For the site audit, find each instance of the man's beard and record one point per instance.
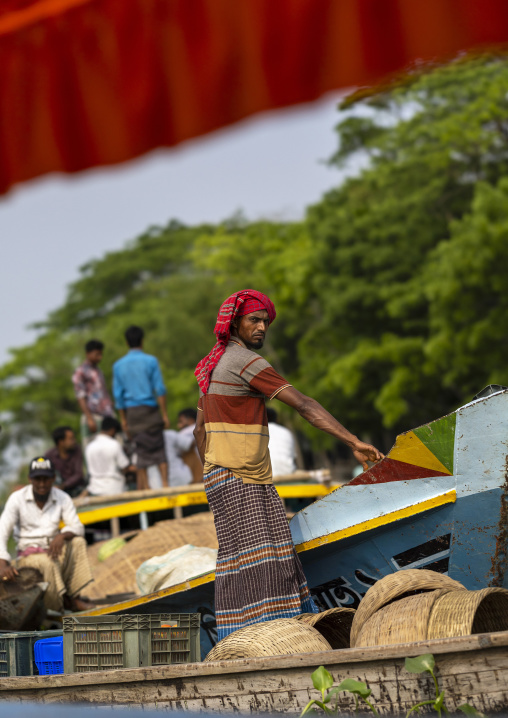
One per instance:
(40, 498)
(255, 345)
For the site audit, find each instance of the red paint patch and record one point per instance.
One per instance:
(393, 470)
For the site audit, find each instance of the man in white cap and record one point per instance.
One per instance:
(34, 515)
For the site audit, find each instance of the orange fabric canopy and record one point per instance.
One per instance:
(96, 82)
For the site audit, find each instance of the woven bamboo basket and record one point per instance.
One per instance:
(402, 621)
(281, 637)
(334, 625)
(461, 613)
(395, 586)
(118, 573)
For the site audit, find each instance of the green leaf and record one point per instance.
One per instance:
(352, 686)
(417, 706)
(332, 693)
(439, 702)
(470, 711)
(309, 710)
(420, 664)
(321, 679)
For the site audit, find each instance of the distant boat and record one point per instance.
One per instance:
(437, 501)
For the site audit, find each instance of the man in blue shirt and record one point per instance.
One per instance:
(140, 397)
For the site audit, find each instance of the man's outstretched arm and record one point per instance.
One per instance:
(200, 435)
(315, 414)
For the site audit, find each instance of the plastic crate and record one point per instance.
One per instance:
(48, 654)
(17, 652)
(4, 660)
(103, 643)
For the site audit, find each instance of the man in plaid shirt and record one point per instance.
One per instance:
(91, 391)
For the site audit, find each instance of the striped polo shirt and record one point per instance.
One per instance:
(235, 414)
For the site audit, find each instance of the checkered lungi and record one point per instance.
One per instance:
(259, 576)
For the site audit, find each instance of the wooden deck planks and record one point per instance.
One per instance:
(472, 669)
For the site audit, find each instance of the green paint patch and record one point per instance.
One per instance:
(439, 437)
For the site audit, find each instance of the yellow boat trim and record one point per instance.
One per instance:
(449, 497)
(140, 600)
(160, 503)
(131, 508)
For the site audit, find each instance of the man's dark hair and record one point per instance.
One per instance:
(109, 422)
(58, 434)
(271, 415)
(189, 414)
(134, 336)
(94, 344)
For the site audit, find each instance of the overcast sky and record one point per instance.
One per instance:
(271, 166)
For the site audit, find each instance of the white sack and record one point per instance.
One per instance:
(174, 567)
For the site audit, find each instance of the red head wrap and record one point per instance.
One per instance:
(237, 305)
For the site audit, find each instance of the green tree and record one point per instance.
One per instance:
(467, 289)
(152, 282)
(428, 142)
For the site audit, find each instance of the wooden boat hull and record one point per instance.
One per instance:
(471, 669)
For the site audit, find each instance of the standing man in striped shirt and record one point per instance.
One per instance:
(259, 576)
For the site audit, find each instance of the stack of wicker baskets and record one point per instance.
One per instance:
(416, 604)
(403, 607)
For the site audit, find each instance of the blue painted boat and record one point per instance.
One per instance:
(407, 512)
(437, 501)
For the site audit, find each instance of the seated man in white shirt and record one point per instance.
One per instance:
(33, 515)
(281, 445)
(185, 466)
(106, 461)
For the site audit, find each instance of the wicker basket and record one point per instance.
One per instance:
(402, 621)
(117, 574)
(334, 625)
(461, 613)
(281, 637)
(394, 586)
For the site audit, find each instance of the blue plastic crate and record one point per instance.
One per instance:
(17, 652)
(49, 655)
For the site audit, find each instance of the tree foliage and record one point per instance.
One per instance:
(390, 294)
(379, 234)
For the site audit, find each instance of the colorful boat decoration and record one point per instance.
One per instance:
(437, 501)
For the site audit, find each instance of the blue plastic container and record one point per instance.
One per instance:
(49, 655)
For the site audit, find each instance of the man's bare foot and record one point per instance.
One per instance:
(78, 604)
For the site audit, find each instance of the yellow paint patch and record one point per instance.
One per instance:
(449, 497)
(304, 491)
(410, 449)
